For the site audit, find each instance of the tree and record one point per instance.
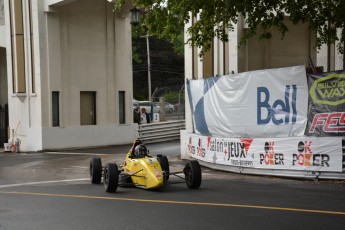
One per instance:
(167, 66)
(165, 18)
(167, 62)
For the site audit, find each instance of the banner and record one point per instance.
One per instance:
(294, 153)
(326, 115)
(261, 103)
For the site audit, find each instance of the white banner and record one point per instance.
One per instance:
(294, 153)
(264, 103)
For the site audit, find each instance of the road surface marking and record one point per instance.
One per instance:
(41, 182)
(66, 153)
(176, 202)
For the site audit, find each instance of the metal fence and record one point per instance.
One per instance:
(336, 63)
(161, 131)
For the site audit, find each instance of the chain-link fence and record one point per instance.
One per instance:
(171, 103)
(321, 63)
(336, 63)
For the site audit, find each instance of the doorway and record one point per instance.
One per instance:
(87, 108)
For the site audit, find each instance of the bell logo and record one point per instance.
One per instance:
(280, 112)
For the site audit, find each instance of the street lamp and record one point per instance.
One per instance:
(135, 21)
(134, 16)
(148, 64)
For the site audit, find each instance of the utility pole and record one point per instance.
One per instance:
(148, 65)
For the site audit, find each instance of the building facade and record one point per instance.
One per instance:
(66, 73)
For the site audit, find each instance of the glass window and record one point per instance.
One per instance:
(55, 109)
(122, 110)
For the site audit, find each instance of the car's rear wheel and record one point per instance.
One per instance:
(163, 161)
(192, 173)
(95, 170)
(111, 177)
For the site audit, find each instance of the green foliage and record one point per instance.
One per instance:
(166, 18)
(172, 96)
(167, 68)
(178, 44)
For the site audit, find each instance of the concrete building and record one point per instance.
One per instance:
(66, 73)
(225, 58)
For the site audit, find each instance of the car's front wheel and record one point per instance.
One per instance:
(111, 177)
(163, 161)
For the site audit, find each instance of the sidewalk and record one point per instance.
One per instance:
(2, 150)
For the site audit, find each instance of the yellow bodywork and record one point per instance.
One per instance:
(145, 172)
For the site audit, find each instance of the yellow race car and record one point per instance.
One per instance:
(142, 170)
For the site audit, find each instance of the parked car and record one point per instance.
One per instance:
(147, 106)
(169, 108)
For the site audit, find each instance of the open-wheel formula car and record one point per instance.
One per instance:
(142, 170)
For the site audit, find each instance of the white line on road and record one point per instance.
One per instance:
(42, 182)
(65, 153)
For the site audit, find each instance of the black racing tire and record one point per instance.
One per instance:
(96, 170)
(163, 161)
(192, 173)
(110, 177)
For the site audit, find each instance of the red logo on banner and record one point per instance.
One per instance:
(208, 142)
(330, 122)
(190, 146)
(246, 143)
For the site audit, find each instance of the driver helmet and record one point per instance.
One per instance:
(140, 151)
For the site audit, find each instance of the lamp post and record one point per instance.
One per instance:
(148, 65)
(135, 21)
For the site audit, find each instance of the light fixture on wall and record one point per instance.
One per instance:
(134, 16)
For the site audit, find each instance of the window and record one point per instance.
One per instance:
(122, 107)
(87, 108)
(33, 87)
(18, 52)
(55, 109)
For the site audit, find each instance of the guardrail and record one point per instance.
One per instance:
(161, 131)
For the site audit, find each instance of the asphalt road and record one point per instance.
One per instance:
(52, 191)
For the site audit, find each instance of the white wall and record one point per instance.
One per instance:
(276, 52)
(2, 36)
(88, 136)
(188, 67)
(2, 13)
